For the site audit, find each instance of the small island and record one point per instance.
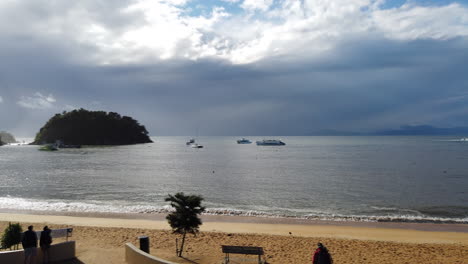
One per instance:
(6, 138)
(83, 127)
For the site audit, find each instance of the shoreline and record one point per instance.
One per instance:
(207, 218)
(396, 232)
(101, 239)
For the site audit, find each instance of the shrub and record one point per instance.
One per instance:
(12, 236)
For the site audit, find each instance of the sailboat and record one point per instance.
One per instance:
(195, 145)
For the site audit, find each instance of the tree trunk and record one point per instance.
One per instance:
(182, 244)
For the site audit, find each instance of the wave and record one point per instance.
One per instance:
(122, 207)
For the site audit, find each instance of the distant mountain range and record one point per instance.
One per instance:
(405, 130)
(425, 130)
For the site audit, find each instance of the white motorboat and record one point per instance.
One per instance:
(270, 142)
(243, 141)
(195, 145)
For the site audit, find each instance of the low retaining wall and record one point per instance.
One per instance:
(58, 252)
(134, 255)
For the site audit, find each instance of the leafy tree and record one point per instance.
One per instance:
(185, 217)
(12, 235)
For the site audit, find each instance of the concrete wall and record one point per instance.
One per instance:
(58, 252)
(134, 255)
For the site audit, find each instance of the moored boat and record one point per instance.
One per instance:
(195, 145)
(270, 142)
(243, 141)
(48, 147)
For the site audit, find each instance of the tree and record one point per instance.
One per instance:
(12, 235)
(185, 217)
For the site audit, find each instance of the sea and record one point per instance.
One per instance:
(333, 178)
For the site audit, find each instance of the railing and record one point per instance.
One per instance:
(57, 252)
(56, 233)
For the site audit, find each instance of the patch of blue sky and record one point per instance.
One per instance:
(205, 7)
(388, 4)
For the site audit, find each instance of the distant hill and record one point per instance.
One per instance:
(424, 130)
(6, 137)
(407, 130)
(83, 127)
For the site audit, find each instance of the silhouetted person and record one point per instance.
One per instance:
(321, 255)
(29, 243)
(45, 241)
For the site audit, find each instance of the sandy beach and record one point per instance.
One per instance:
(102, 239)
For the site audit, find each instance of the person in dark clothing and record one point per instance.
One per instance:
(44, 242)
(321, 255)
(29, 243)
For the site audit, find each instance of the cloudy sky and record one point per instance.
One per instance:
(236, 67)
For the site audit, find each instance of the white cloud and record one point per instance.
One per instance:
(253, 5)
(413, 22)
(153, 30)
(1, 99)
(38, 101)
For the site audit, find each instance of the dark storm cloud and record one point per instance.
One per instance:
(361, 86)
(362, 83)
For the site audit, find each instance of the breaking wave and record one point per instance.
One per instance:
(378, 214)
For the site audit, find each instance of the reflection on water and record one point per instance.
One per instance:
(398, 178)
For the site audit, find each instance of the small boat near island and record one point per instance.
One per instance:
(57, 145)
(270, 142)
(49, 147)
(195, 145)
(243, 141)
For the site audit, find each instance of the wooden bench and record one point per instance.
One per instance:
(242, 250)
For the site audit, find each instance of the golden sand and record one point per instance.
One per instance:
(101, 240)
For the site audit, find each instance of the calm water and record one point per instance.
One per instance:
(343, 178)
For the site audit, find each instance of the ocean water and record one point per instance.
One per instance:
(414, 179)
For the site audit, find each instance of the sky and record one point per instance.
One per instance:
(236, 67)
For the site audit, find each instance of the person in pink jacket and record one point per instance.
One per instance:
(321, 255)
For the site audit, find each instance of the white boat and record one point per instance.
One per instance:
(464, 139)
(195, 145)
(49, 147)
(243, 141)
(270, 142)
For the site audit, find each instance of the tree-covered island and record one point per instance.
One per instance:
(83, 127)
(6, 137)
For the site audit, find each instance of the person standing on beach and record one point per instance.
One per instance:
(321, 255)
(44, 242)
(29, 243)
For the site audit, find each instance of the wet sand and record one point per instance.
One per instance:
(101, 238)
